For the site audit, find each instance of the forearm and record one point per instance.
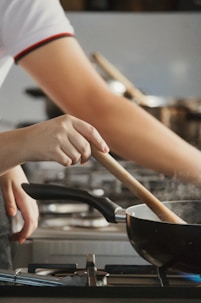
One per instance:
(12, 149)
(143, 139)
(129, 130)
(135, 135)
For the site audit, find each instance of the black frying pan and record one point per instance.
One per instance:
(166, 245)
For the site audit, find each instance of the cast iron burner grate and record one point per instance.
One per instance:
(118, 275)
(133, 282)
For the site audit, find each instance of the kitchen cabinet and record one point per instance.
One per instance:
(131, 5)
(73, 5)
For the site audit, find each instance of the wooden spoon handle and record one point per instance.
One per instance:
(164, 213)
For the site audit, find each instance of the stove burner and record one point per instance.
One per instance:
(90, 219)
(93, 276)
(115, 283)
(61, 208)
(114, 275)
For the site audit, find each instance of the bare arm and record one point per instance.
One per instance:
(64, 139)
(63, 71)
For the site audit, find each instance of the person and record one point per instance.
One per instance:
(38, 37)
(65, 139)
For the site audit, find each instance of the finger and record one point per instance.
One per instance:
(91, 134)
(81, 149)
(10, 205)
(74, 148)
(62, 157)
(30, 215)
(72, 154)
(27, 229)
(16, 236)
(11, 210)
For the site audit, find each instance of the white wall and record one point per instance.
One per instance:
(159, 53)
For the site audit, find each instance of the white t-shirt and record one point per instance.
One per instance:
(26, 25)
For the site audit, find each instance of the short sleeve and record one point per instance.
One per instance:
(27, 23)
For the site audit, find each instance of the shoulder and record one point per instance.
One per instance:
(27, 22)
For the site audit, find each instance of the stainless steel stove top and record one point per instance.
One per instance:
(117, 283)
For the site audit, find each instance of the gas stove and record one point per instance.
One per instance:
(71, 229)
(117, 283)
(94, 261)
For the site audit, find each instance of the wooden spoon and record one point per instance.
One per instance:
(163, 213)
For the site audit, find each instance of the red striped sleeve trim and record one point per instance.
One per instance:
(40, 43)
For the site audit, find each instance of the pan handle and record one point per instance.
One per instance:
(108, 208)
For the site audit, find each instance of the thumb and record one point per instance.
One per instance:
(10, 205)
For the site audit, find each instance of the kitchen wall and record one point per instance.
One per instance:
(158, 52)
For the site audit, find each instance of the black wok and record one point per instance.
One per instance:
(165, 245)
